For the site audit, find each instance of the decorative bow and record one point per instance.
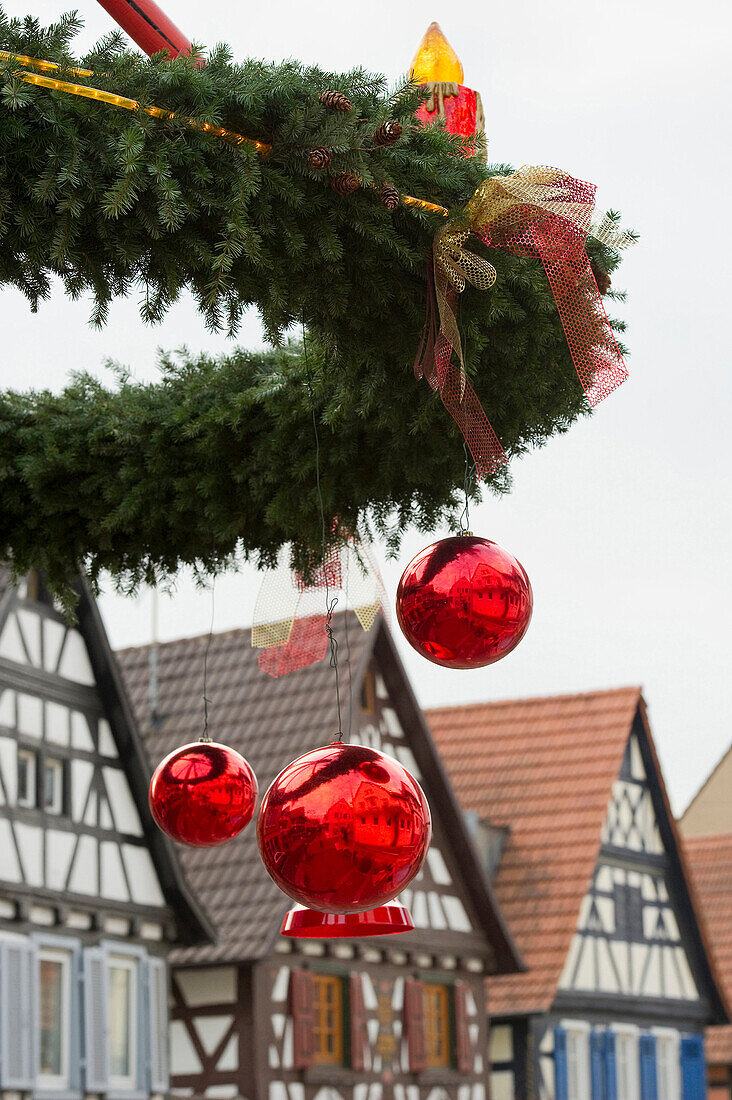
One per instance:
(538, 212)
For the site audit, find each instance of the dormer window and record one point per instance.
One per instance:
(53, 786)
(27, 772)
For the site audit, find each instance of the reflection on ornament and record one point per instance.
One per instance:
(464, 602)
(343, 829)
(385, 920)
(203, 794)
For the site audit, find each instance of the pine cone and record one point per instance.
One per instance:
(387, 133)
(389, 196)
(335, 101)
(319, 158)
(345, 183)
(603, 280)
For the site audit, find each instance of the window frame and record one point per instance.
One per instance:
(126, 1083)
(578, 1032)
(321, 1056)
(56, 765)
(444, 1019)
(45, 952)
(623, 1033)
(27, 802)
(668, 1036)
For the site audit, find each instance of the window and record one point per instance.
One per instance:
(26, 778)
(53, 786)
(368, 693)
(328, 1026)
(628, 912)
(122, 977)
(54, 1008)
(668, 1069)
(578, 1064)
(627, 1065)
(436, 1008)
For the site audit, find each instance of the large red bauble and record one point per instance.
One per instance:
(343, 829)
(203, 794)
(464, 602)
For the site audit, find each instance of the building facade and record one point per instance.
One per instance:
(91, 898)
(567, 799)
(266, 1018)
(707, 830)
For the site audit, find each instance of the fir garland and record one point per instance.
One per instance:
(218, 456)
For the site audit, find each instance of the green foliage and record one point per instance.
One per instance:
(219, 454)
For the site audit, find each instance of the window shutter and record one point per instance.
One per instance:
(597, 1065)
(693, 1074)
(561, 1086)
(611, 1076)
(414, 1021)
(17, 1005)
(302, 1007)
(648, 1082)
(158, 1017)
(96, 1038)
(359, 1030)
(463, 1045)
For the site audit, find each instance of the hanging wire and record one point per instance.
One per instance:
(470, 471)
(330, 603)
(204, 736)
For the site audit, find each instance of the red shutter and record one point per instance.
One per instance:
(302, 1007)
(414, 1023)
(359, 1031)
(463, 1046)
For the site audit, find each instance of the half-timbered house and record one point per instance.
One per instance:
(568, 803)
(91, 895)
(267, 1018)
(706, 827)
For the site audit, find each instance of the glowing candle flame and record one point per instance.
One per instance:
(435, 60)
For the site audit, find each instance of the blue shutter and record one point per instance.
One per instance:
(561, 1086)
(649, 1085)
(17, 1012)
(693, 1071)
(611, 1077)
(158, 1015)
(96, 1034)
(597, 1075)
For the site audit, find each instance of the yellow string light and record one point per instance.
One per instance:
(101, 96)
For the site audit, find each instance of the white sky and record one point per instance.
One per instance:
(623, 524)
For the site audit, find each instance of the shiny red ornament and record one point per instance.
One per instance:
(464, 602)
(343, 829)
(386, 920)
(203, 794)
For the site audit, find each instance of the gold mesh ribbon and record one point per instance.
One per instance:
(539, 212)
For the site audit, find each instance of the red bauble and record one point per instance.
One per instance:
(464, 602)
(203, 794)
(343, 829)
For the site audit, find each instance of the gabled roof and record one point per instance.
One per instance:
(271, 721)
(709, 859)
(544, 768)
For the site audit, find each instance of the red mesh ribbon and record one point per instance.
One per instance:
(545, 214)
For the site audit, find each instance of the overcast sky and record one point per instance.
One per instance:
(624, 524)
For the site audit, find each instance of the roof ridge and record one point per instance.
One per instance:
(636, 689)
(708, 779)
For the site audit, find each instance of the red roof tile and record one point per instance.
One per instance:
(709, 859)
(545, 768)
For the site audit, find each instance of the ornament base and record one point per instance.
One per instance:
(385, 920)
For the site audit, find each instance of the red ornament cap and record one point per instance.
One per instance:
(386, 920)
(203, 794)
(464, 602)
(343, 829)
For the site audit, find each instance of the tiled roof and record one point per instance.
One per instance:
(544, 768)
(709, 859)
(270, 721)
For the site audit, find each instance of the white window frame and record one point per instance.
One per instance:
(57, 766)
(130, 963)
(48, 1082)
(624, 1032)
(28, 802)
(578, 1032)
(672, 1037)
